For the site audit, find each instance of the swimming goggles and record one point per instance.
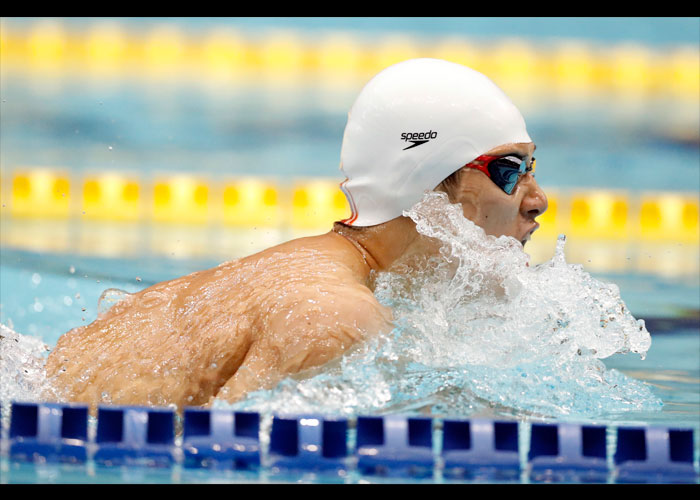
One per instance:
(504, 171)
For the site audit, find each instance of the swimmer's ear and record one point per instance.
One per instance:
(451, 184)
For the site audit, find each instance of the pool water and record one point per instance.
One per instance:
(46, 297)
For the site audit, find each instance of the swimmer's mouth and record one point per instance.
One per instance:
(528, 235)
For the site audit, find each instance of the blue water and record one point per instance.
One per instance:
(293, 133)
(45, 297)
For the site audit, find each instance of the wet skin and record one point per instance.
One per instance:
(222, 332)
(246, 324)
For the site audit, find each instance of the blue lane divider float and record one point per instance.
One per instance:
(133, 435)
(651, 454)
(222, 439)
(48, 432)
(399, 446)
(308, 443)
(477, 447)
(395, 445)
(567, 450)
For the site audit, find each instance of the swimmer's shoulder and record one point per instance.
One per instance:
(316, 275)
(333, 304)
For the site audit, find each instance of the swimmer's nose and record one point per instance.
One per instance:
(534, 202)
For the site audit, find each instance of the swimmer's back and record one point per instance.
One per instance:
(239, 326)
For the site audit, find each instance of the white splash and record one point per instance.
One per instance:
(478, 330)
(22, 359)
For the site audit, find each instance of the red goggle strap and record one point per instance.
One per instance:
(483, 164)
(484, 161)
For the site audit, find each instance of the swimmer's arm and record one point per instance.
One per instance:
(306, 336)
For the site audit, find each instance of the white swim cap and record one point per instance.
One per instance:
(413, 125)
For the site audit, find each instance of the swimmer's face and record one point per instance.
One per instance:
(498, 213)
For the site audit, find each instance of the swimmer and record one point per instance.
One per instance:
(218, 334)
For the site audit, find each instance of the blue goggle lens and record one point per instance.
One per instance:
(505, 172)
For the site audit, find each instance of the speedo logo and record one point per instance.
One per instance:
(417, 138)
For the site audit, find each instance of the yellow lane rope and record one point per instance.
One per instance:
(310, 203)
(106, 50)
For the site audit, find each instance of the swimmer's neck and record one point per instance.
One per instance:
(379, 246)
